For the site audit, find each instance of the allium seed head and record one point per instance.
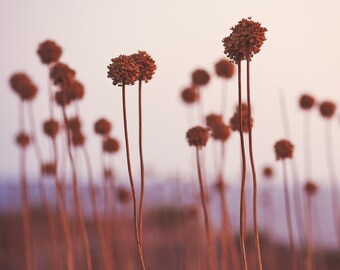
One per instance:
(61, 74)
(245, 40)
(189, 95)
(234, 120)
(23, 139)
(23, 86)
(74, 90)
(306, 102)
(327, 109)
(123, 70)
(221, 132)
(224, 69)
(102, 127)
(74, 124)
(200, 77)
(213, 119)
(111, 145)
(197, 136)
(283, 149)
(267, 172)
(51, 128)
(310, 188)
(146, 65)
(77, 138)
(49, 52)
(48, 169)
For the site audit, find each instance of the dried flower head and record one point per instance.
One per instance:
(23, 86)
(268, 172)
(213, 119)
(23, 139)
(123, 70)
(189, 95)
(77, 138)
(146, 65)
(61, 98)
(102, 127)
(74, 124)
(111, 145)
(51, 128)
(245, 40)
(327, 109)
(283, 149)
(197, 136)
(123, 195)
(49, 52)
(224, 69)
(74, 90)
(234, 120)
(306, 102)
(48, 169)
(61, 74)
(221, 132)
(310, 188)
(200, 77)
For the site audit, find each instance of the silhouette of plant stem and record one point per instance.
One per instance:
(133, 191)
(309, 240)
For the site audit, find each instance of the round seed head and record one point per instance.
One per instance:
(23, 139)
(327, 109)
(268, 172)
(111, 145)
(48, 169)
(51, 128)
(224, 69)
(306, 102)
(221, 132)
(189, 95)
(146, 65)
(197, 136)
(74, 124)
(77, 138)
(200, 77)
(123, 70)
(283, 149)
(61, 74)
(213, 119)
(49, 52)
(102, 127)
(235, 121)
(310, 188)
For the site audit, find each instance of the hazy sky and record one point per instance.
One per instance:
(301, 54)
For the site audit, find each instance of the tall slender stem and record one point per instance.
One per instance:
(207, 223)
(307, 156)
(141, 199)
(133, 191)
(77, 201)
(243, 179)
(24, 195)
(42, 191)
(224, 100)
(253, 170)
(289, 217)
(309, 240)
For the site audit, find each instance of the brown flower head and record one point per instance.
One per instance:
(102, 127)
(123, 195)
(306, 102)
(74, 124)
(23, 139)
(189, 95)
(245, 40)
(111, 145)
(198, 136)
(123, 70)
(327, 109)
(23, 86)
(49, 52)
(200, 77)
(310, 188)
(221, 132)
(51, 128)
(48, 169)
(213, 119)
(283, 149)
(145, 64)
(268, 172)
(224, 69)
(234, 120)
(77, 138)
(61, 74)
(74, 90)
(62, 98)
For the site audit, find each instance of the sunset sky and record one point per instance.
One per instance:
(301, 54)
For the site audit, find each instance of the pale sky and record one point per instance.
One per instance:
(301, 54)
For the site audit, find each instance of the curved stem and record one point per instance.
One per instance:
(243, 180)
(77, 201)
(207, 223)
(133, 191)
(141, 199)
(253, 170)
(289, 217)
